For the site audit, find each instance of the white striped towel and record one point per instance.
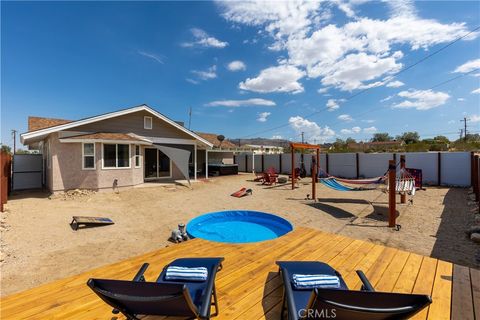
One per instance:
(311, 281)
(185, 273)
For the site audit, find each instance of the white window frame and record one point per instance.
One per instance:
(116, 157)
(137, 156)
(145, 118)
(94, 157)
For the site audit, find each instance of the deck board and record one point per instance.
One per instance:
(249, 286)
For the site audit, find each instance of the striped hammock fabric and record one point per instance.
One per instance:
(311, 281)
(186, 274)
(405, 186)
(361, 181)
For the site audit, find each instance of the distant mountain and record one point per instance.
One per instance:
(261, 141)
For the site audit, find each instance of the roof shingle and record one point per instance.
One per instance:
(37, 123)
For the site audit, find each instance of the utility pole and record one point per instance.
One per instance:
(465, 130)
(189, 117)
(302, 136)
(14, 136)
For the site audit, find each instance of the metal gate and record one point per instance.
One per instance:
(27, 171)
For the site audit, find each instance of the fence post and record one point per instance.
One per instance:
(327, 169)
(263, 162)
(357, 161)
(246, 162)
(475, 182)
(472, 170)
(279, 163)
(392, 210)
(439, 164)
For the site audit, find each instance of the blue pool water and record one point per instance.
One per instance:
(238, 226)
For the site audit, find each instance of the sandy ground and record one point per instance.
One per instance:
(38, 245)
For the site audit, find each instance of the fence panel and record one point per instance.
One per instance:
(427, 161)
(342, 165)
(272, 161)
(373, 164)
(455, 170)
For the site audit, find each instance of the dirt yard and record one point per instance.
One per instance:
(39, 246)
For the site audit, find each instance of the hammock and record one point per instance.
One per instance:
(375, 180)
(332, 183)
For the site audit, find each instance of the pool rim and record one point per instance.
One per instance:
(280, 219)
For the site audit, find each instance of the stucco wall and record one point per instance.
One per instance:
(67, 170)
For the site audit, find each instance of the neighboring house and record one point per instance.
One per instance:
(263, 149)
(122, 148)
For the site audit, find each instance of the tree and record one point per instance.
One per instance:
(350, 140)
(6, 148)
(409, 137)
(441, 139)
(381, 137)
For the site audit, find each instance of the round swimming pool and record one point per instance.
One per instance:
(238, 226)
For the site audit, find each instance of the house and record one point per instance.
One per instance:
(263, 149)
(122, 148)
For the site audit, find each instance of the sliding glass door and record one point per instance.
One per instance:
(157, 164)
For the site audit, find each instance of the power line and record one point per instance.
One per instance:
(349, 98)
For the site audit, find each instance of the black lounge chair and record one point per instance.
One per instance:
(192, 299)
(342, 303)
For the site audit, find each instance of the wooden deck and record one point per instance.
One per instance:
(249, 286)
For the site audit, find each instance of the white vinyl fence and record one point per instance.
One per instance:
(438, 168)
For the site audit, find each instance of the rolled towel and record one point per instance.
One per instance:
(311, 281)
(186, 274)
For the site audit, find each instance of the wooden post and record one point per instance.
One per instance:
(403, 195)
(439, 168)
(263, 162)
(357, 164)
(279, 163)
(472, 170)
(392, 210)
(246, 162)
(314, 178)
(293, 168)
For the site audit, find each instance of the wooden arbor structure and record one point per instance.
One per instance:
(315, 164)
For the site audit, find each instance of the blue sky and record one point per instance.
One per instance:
(246, 68)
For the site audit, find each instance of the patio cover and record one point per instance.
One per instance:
(179, 156)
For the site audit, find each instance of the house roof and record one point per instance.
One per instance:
(37, 123)
(213, 139)
(105, 136)
(40, 133)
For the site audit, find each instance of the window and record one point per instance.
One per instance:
(116, 156)
(88, 155)
(137, 156)
(147, 122)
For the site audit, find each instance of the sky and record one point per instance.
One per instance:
(247, 68)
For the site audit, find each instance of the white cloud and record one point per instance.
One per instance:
(468, 66)
(422, 99)
(333, 104)
(354, 130)
(203, 39)
(262, 117)
(241, 103)
(355, 55)
(386, 99)
(395, 84)
(345, 117)
(368, 121)
(313, 132)
(282, 78)
(192, 81)
(323, 90)
(474, 118)
(236, 65)
(210, 73)
(152, 56)
(277, 137)
(476, 91)
(461, 99)
(370, 130)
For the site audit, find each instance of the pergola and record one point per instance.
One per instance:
(306, 146)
